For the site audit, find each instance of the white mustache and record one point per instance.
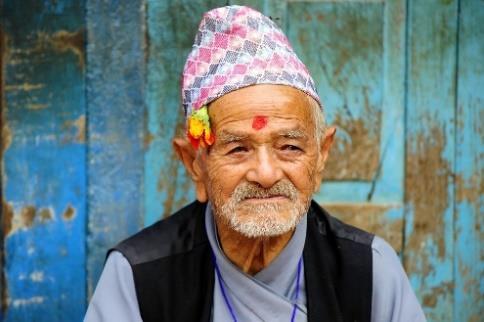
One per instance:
(248, 190)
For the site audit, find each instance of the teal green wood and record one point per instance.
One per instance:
(43, 161)
(429, 249)
(469, 165)
(358, 61)
(359, 69)
(342, 45)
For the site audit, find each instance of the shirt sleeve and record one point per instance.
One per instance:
(393, 299)
(115, 296)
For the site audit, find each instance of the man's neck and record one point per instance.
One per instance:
(251, 255)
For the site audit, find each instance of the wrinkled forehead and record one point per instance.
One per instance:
(260, 105)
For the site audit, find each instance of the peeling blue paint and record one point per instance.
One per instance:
(469, 165)
(115, 118)
(44, 165)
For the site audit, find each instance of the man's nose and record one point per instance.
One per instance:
(265, 169)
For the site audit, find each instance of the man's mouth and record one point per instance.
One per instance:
(272, 198)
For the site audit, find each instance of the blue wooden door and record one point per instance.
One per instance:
(90, 102)
(444, 150)
(43, 176)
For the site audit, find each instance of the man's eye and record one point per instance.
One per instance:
(289, 147)
(237, 149)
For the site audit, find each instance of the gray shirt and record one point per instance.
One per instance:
(270, 294)
(266, 296)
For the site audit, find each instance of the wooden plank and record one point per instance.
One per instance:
(43, 161)
(171, 28)
(342, 46)
(387, 184)
(353, 44)
(429, 184)
(469, 189)
(115, 92)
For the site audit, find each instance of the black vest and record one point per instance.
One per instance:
(174, 275)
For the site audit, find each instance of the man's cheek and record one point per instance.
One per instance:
(214, 172)
(305, 179)
(221, 179)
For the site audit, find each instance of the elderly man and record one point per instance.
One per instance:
(254, 247)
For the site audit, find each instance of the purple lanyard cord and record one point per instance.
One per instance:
(226, 298)
(222, 288)
(298, 278)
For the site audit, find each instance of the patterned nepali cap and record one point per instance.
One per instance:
(235, 47)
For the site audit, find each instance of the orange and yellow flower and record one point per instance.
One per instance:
(198, 128)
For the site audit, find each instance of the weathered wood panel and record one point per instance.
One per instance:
(469, 167)
(342, 45)
(43, 164)
(429, 182)
(115, 116)
(356, 53)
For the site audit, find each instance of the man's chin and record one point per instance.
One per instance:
(261, 218)
(255, 224)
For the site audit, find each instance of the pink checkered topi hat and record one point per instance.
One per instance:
(236, 47)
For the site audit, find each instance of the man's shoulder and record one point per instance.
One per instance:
(178, 233)
(328, 224)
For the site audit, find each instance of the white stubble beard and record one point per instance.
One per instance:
(264, 219)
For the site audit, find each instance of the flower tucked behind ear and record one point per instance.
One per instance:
(198, 128)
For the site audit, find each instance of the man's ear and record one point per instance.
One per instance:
(188, 156)
(324, 148)
(326, 144)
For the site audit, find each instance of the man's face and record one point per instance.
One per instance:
(262, 170)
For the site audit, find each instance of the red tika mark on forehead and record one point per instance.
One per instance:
(259, 122)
